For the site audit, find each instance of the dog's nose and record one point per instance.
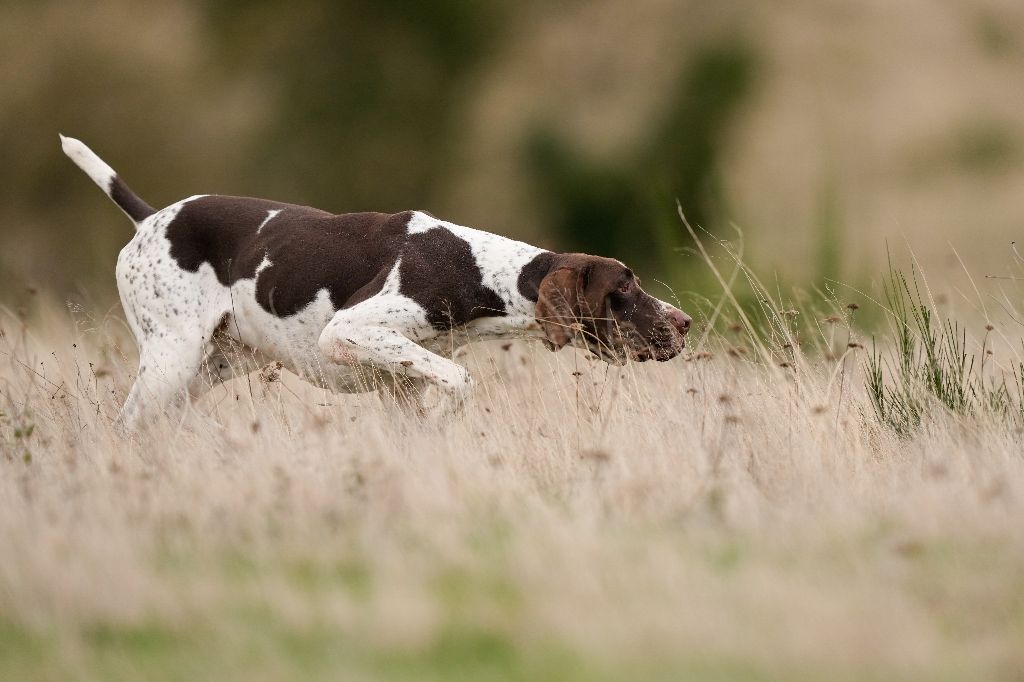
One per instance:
(680, 320)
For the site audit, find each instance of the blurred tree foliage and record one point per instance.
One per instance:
(367, 92)
(629, 208)
(347, 106)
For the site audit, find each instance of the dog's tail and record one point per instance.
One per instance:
(109, 181)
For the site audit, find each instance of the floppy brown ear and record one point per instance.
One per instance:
(558, 305)
(600, 281)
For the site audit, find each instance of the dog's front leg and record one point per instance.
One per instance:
(380, 332)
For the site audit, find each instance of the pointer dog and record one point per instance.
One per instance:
(215, 286)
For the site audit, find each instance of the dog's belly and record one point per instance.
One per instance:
(292, 340)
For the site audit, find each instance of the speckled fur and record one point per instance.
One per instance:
(177, 316)
(370, 301)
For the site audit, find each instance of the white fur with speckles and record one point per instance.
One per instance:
(174, 315)
(500, 259)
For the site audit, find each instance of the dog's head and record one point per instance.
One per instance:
(598, 304)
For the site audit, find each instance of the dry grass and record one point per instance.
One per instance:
(708, 519)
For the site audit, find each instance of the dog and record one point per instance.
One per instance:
(214, 286)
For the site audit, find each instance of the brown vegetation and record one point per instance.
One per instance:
(709, 518)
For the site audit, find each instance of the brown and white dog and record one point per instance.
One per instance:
(213, 286)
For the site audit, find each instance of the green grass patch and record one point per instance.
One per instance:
(931, 365)
(256, 645)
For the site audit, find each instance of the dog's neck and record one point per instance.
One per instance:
(533, 273)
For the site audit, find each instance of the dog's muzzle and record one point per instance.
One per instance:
(668, 341)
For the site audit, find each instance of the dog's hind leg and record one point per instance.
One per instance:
(168, 366)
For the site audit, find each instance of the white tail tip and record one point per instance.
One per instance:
(86, 159)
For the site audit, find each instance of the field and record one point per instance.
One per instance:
(718, 517)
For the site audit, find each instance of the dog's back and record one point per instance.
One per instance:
(296, 250)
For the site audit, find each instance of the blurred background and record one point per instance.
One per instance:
(824, 130)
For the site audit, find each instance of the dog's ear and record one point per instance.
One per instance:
(575, 298)
(558, 305)
(599, 280)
